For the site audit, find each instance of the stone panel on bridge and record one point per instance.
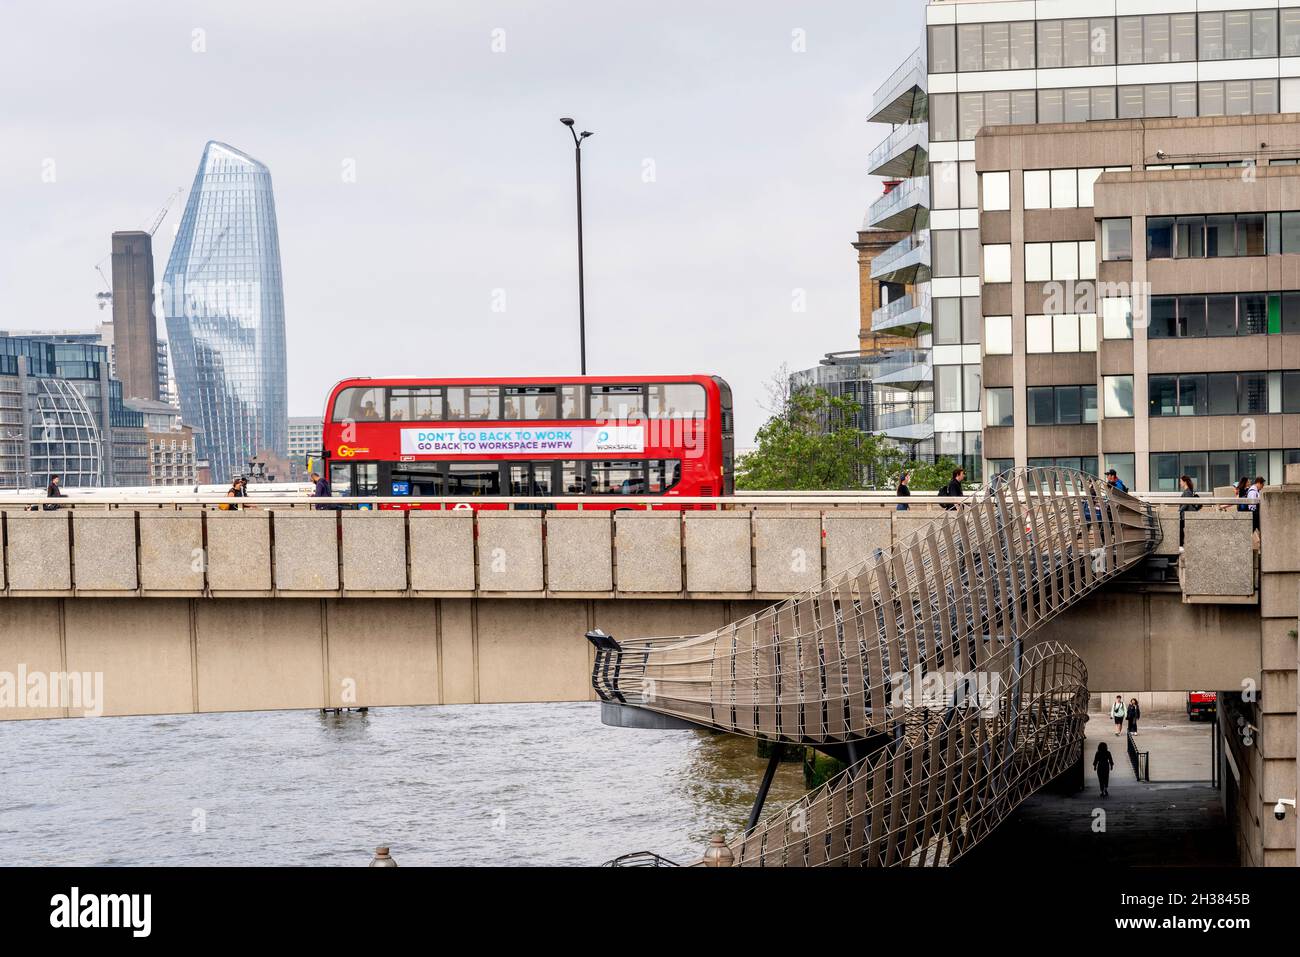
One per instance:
(146, 670)
(239, 552)
(510, 552)
(40, 561)
(171, 553)
(258, 655)
(718, 548)
(1219, 561)
(374, 552)
(649, 550)
(103, 552)
(442, 551)
(306, 551)
(385, 658)
(579, 556)
(787, 552)
(853, 537)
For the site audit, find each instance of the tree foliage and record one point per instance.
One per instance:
(927, 476)
(813, 444)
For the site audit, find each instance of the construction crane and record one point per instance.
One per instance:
(104, 297)
(166, 207)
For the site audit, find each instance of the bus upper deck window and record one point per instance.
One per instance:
(677, 400)
(473, 402)
(414, 405)
(616, 402)
(572, 402)
(531, 402)
(360, 405)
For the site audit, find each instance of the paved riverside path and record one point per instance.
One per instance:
(1175, 820)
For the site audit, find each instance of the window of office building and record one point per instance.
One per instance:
(943, 117)
(1118, 396)
(1117, 317)
(1061, 333)
(1215, 236)
(956, 321)
(1116, 240)
(1238, 97)
(1238, 34)
(997, 335)
(1157, 99)
(1290, 32)
(1062, 404)
(998, 407)
(997, 263)
(1060, 261)
(997, 192)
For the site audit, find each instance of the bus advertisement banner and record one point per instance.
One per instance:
(511, 440)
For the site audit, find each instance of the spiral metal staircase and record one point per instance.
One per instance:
(913, 667)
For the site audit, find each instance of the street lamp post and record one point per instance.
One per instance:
(582, 303)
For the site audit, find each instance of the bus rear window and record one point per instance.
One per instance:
(677, 400)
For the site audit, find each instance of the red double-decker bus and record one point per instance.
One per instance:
(555, 436)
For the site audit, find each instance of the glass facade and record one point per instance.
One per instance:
(224, 304)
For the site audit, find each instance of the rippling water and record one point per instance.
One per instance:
(473, 784)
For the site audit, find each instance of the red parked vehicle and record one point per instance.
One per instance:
(553, 436)
(1202, 703)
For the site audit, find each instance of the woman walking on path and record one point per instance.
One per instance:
(1102, 762)
(1133, 713)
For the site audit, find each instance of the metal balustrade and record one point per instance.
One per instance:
(917, 659)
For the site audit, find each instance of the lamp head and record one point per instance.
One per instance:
(566, 120)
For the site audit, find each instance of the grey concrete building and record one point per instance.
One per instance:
(1139, 297)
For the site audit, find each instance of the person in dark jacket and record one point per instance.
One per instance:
(953, 489)
(903, 491)
(1102, 762)
(1134, 712)
(320, 488)
(54, 491)
(1189, 491)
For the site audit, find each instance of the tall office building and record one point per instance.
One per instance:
(225, 312)
(135, 331)
(988, 63)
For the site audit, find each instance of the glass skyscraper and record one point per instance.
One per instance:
(224, 304)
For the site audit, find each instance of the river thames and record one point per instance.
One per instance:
(535, 784)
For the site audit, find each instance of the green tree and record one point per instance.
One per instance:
(927, 476)
(813, 443)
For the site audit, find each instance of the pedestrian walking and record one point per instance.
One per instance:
(1133, 712)
(1114, 481)
(1243, 489)
(1102, 762)
(903, 491)
(320, 488)
(52, 490)
(953, 488)
(1117, 713)
(1189, 491)
(1252, 495)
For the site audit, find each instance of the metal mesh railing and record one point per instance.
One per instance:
(850, 661)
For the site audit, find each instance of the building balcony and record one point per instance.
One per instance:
(906, 207)
(902, 97)
(907, 261)
(906, 426)
(918, 376)
(907, 317)
(903, 154)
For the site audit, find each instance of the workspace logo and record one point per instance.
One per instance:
(103, 910)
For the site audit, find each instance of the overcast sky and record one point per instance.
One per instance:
(724, 184)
